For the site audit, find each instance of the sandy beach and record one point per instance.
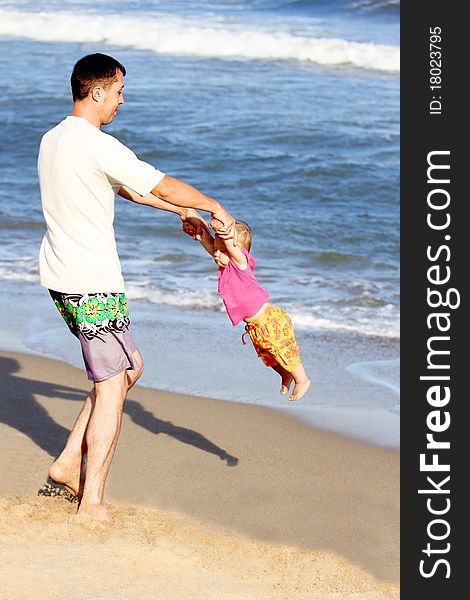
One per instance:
(211, 500)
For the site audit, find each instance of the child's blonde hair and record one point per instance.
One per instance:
(244, 234)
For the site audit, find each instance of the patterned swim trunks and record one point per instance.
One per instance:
(273, 339)
(101, 323)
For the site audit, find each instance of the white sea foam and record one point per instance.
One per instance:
(381, 325)
(201, 299)
(168, 34)
(381, 372)
(376, 4)
(19, 273)
(303, 316)
(306, 316)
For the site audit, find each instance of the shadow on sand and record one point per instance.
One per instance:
(19, 409)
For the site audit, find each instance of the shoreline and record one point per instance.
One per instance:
(279, 488)
(355, 378)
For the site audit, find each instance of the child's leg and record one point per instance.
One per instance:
(274, 342)
(286, 378)
(302, 382)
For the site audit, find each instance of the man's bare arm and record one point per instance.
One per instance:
(151, 200)
(182, 194)
(189, 216)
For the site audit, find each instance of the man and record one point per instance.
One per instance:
(80, 170)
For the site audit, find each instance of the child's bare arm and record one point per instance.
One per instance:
(206, 239)
(234, 251)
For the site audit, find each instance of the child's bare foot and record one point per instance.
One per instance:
(299, 389)
(287, 379)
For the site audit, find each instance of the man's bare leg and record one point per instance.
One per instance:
(132, 375)
(66, 469)
(102, 434)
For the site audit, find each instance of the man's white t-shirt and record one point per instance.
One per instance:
(80, 170)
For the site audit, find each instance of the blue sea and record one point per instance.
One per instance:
(287, 112)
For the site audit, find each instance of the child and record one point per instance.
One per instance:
(269, 327)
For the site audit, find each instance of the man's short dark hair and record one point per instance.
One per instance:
(91, 70)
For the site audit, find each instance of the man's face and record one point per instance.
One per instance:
(112, 99)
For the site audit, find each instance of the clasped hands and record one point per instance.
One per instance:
(222, 223)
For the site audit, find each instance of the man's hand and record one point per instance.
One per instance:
(183, 195)
(228, 234)
(221, 220)
(193, 223)
(223, 224)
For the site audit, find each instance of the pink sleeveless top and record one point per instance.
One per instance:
(242, 294)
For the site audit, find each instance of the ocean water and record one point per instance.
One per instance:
(287, 112)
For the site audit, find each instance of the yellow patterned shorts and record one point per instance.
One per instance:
(273, 339)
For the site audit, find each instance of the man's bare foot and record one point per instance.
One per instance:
(66, 474)
(287, 379)
(299, 389)
(94, 512)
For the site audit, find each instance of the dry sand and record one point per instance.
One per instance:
(211, 499)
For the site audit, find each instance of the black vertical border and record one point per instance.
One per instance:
(421, 133)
